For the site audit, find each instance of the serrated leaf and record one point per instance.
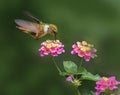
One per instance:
(70, 67)
(89, 76)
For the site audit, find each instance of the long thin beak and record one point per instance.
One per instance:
(54, 34)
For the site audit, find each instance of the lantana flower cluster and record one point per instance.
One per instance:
(106, 84)
(83, 49)
(53, 47)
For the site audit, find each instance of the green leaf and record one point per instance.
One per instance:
(70, 67)
(63, 73)
(89, 76)
(81, 70)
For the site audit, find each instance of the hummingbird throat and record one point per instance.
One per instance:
(46, 27)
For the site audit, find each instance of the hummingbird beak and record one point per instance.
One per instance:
(54, 33)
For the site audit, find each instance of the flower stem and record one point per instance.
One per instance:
(78, 92)
(81, 63)
(56, 65)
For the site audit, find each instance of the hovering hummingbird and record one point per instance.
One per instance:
(36, 28)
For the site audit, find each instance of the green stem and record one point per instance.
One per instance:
(56, 65)
(81, 63)
(78, 92)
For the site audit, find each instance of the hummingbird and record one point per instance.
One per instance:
(36, 28)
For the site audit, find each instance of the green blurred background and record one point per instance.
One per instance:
(24, 72)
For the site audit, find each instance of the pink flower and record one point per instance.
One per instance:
(73, 80)
(85, 50)
(106, 84)
(53, 47)
(70, 78)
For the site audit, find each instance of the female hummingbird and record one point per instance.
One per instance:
(36, 29)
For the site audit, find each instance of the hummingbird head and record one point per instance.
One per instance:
(53, 29)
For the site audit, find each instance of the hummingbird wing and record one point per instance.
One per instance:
(33, 29)
(32, 17)
(27, 25)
